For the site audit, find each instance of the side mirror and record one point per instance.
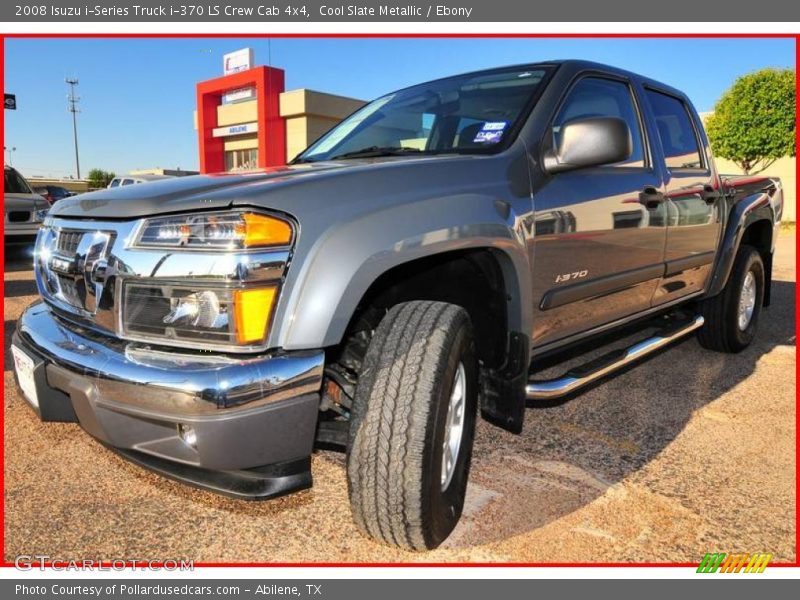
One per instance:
(590, 142)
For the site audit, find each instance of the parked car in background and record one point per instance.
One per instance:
(53, 193)
(24, 209)
(134, 179)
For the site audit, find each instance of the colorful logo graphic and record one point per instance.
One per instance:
(734, 563)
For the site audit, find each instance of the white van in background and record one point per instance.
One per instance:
(134, 179)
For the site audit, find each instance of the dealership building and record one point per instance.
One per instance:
(247, 120)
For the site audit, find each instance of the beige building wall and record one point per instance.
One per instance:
(73, 185)
(241, 142)
(161, 171)
(308, 115)
(237, 112)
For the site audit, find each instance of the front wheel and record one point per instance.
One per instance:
(732, 315)
(413, 424)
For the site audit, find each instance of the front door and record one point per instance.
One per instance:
(599, 233)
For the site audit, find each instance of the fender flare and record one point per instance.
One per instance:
(331, 280)
(748, 210)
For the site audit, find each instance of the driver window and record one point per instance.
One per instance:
(598, 97)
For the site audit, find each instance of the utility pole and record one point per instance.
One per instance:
(72, 107)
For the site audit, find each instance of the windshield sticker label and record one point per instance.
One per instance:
(491, 132)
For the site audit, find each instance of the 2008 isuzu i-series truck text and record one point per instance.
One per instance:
(405, 273)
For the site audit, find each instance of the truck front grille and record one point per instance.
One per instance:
(66, 263)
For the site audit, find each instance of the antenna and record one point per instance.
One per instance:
(72, 106)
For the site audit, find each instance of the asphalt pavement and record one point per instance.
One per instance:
(688, 453)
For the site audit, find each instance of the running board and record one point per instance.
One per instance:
(583, 375)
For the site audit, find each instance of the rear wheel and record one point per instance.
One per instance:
(413, 424)
(732, 315)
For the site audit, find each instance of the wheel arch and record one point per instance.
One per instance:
(483, 280)
(752, 222)
(331, 282)
(480, 279)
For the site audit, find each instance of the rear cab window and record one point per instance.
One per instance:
(676, 131)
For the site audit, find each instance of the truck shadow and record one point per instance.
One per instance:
(17, 258)
(8, 331)
(19, 287)
(571, 453)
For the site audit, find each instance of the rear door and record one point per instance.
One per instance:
(693, 201)
(599, 232)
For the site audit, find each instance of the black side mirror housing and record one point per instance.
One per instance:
(590, 142)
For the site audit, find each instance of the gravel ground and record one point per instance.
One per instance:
(690, 452)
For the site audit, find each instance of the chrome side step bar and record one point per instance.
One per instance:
(585, 374)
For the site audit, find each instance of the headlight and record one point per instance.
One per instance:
(215, 231)
(211, 316)
(40, 215)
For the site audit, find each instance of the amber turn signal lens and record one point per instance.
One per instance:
(252, 309)
(261, 230)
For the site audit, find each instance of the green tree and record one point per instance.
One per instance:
(754, 122)
(99, 179)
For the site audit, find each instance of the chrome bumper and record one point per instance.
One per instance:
(136, 376)
(14, 232)
(244, 412)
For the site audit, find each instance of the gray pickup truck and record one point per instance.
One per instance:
(406, 272)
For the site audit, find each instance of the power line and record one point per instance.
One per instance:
(72, 107)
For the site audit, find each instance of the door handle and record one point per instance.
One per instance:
(710, 195)
(651, 197)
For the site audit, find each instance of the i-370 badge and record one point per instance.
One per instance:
(570, 276)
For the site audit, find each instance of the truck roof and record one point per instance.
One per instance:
(576, 65)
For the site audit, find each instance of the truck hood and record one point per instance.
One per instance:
(281, 188)
(324, 187)
(179, 194)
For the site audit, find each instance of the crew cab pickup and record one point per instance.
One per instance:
(404, 274)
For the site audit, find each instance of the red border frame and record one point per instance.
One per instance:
(794, 36)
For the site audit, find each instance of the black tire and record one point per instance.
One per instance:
(397, 430)
(721, 331)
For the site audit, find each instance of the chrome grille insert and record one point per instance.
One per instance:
(69, 290)
(68, 242)
(68, 261)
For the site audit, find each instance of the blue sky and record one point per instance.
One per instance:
(137, 95)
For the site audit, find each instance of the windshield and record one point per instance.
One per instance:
(15, 183)
(472, 113)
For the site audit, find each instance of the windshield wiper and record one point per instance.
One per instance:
(373, 151)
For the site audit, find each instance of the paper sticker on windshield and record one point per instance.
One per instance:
(490, 133)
